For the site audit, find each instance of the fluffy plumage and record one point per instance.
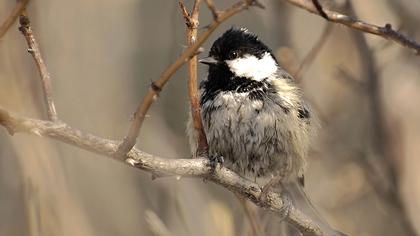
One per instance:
(253, 113)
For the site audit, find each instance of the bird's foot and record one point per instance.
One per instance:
(216, 160)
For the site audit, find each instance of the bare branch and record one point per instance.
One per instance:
(20, 6)
(213, 9)
(141, 111)
(197, 167)
(191, 20)
(185, 13)
(33, 49)
(321, 11)
(383, 31)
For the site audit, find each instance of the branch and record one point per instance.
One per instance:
(320, 9)
(33, 49)
(191, 20)
(20, 6)
(198, 167)
(215, 13)
(385, 32)
(129, 141)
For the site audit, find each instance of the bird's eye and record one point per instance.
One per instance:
(233, 54)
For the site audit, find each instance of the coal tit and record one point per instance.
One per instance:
(255, 117)
(253, 113)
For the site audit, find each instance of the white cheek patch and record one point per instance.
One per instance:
(251, 67)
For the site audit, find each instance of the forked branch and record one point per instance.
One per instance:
(130, 139)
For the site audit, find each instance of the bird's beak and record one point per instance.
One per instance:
(208, 61)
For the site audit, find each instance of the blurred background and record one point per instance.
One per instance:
(102, 55)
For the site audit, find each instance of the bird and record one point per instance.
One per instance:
(255, 118)
(253, 113)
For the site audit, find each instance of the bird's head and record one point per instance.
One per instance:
(242, 54)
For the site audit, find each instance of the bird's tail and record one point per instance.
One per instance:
(302, 202)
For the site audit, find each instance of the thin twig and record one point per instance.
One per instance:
(196, 167)
(33, 49)
(310, 57)
(385, 32)
(321, 11)
(215, 13)
(129, 141)
(191, 21)
(20, 6)
(252, 216)
(350, 80)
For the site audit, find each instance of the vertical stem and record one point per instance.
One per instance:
(33, 49)
(192, 32)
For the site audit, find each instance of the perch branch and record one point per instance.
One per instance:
(33, 49)
(130, 139)
(20, 6)
(197, 167)
(386, 31)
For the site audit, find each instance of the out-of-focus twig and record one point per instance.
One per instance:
(156, 224)
(33, 49)
(350, 80)
(310, 57)
(215, 13)
(156, 87)
(20, 6)
(386, 31)
(386, 183)
(252, 216)
(191, 20)
(196, 167)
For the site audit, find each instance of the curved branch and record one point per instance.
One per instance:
(383, 31)
(199, 167)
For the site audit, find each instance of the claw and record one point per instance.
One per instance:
(215, 160)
